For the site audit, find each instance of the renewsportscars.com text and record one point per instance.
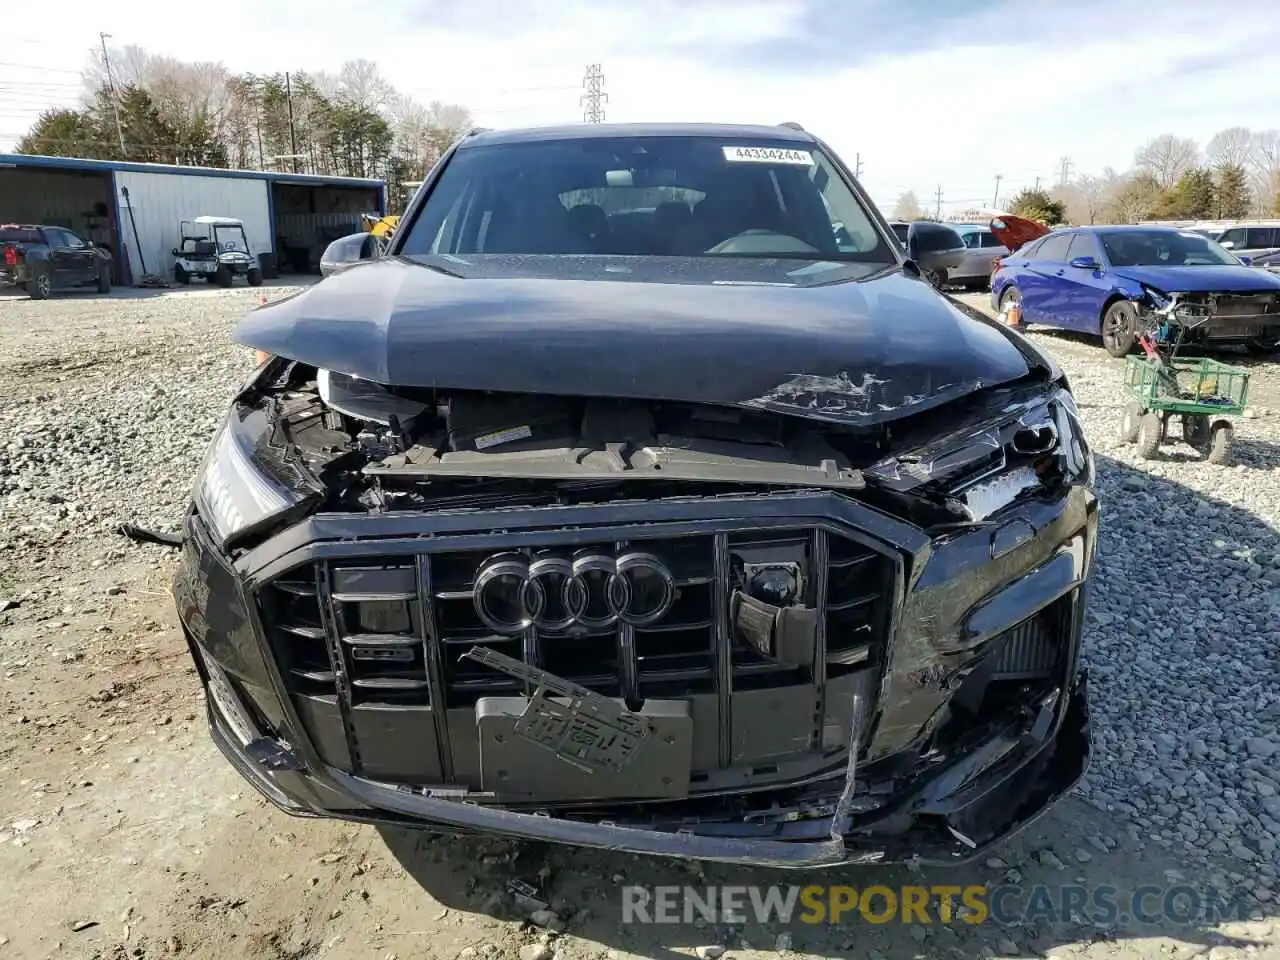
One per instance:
(973, 904)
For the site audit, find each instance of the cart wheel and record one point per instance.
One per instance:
(1150, 426)
(1195, 430)
(1220, 435)
(1129, 422)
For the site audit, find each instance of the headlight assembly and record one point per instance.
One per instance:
(234, 495)
(1072, 444)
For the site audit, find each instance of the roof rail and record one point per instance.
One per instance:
(792, 125)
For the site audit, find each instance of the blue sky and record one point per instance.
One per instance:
(927, 92)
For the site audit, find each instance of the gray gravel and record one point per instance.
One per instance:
(107, 406)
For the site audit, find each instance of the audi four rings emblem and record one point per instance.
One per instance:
(588, 590)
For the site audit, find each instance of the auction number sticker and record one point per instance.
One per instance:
(799, 158)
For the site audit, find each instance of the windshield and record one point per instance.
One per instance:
(230, 239)
(1163, 248)
(645, 196)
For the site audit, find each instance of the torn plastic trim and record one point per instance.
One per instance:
(139, 534)
(988, 792)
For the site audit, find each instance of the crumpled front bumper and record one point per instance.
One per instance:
(955, 816)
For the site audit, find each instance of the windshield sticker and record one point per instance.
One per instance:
(799, 158)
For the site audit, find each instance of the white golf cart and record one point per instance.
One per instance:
(216, 249)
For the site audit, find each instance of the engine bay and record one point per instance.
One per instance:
(377, 447)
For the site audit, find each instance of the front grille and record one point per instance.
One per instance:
(389, 632)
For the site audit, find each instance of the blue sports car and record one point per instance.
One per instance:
(1118, 281)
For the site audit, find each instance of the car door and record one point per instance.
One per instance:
(1084, 290)
(992, 248)
(971, 267)
(1041, 281)
(62, 261)
(82, 260)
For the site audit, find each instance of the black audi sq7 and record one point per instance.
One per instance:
(642, 495)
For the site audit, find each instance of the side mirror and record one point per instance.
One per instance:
(934, 246)
(1227, 244)
(347, 250)
(1086, 263)
(1247, 261)
(174, 251)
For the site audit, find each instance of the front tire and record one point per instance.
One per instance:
(255, 277)
(223, 277)
(1119, 328)
(180, 275)
(104, 278)
(1263, 346)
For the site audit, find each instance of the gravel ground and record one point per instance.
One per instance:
(117, 813)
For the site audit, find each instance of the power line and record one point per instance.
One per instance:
(595, 98)
(38, 68)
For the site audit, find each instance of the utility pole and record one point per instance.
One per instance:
(293, 136)
(1066, 170)
(1037, 183)
(937, 213)
(857, 165)
(111, 88)
(594, 98)
(995, 201)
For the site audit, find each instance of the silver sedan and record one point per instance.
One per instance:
(981, 251)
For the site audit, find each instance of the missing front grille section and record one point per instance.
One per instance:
(1020, 665)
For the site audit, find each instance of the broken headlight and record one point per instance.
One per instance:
(978, 473)
(1073, 447)
(234, 495)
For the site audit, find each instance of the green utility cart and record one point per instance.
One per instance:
(1203, 392)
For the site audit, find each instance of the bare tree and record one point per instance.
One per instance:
(1264, 166)
(1167, 158)
(362, 84)
(907, 207)
(1233, 147)
(1086, 197)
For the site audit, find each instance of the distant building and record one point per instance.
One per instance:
(288, 217)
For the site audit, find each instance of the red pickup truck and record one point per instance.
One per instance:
(42, 260)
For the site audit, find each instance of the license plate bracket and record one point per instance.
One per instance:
(549, 748)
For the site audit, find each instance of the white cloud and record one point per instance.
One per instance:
(1005, 90)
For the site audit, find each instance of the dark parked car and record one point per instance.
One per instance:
(1116, 281)
(42, 260)
(620, 505)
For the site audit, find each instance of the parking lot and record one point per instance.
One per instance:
(125, 834)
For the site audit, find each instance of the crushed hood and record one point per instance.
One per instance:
(1204, 279)
(847, 342)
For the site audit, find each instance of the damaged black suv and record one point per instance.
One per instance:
(643, 496)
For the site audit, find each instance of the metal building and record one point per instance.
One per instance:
(289, 217)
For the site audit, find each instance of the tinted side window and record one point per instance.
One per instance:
(1082, 245)
(56, 239)
(1261, 237)
(1054, 248)
(1028, 251)
(71, 240)
(1235, 236)
(989, 239)
(972, 240)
